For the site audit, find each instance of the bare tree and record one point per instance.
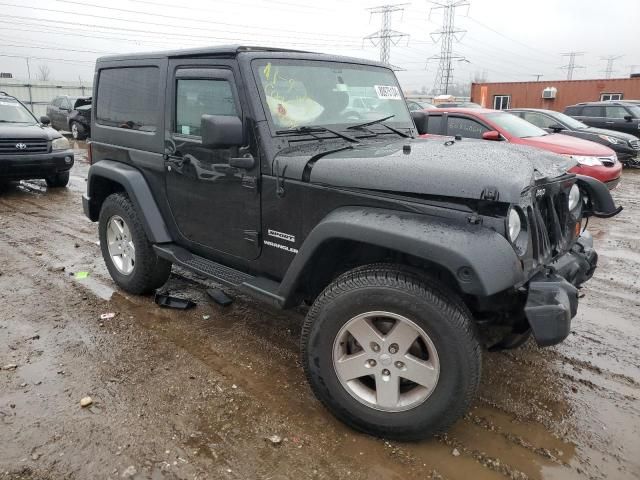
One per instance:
(44, 72)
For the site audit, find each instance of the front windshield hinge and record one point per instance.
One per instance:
(280, 181)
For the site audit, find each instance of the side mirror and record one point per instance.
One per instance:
(491, 135)
(556, 127)
(628, 118)
(421, 120)
(221, 131)
(44, 120)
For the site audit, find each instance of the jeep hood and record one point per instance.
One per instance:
(464, 169)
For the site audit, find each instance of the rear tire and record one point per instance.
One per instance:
(147, 270)
(78, 132)
(59, 180)
(443, 326)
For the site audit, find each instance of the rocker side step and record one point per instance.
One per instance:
(260, 287)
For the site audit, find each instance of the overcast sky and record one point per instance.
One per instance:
(509, 40)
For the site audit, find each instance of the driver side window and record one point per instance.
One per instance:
(539, 120)
(196, 97)
(465, 127)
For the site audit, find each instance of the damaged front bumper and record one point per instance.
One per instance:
(552, 299)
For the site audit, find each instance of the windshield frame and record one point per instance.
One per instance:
(24, 107)
(274, 129)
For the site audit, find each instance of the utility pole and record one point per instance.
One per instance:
(537, 75)
(386, 36)
(571, 66)
(446, 35)
(608, 72)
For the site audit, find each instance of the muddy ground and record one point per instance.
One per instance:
(196, 395)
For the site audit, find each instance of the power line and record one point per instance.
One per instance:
(386, 36)
(446, 35)
(571, 66)
(608, 71)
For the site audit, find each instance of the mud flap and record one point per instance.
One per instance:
(551, 304)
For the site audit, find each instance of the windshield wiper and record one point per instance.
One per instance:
(312, 130)
(363, 126)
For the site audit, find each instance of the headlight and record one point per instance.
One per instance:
(610, 139)
(574, 197)
(514, 225)
(60, 144)
(586, 160)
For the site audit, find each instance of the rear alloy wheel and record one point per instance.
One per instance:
(58, 181)
(77, 131)
(128, 254)
(390, 353)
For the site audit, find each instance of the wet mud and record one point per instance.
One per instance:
(218, 392)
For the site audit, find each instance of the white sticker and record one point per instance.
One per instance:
(388, 92)
(186, 129)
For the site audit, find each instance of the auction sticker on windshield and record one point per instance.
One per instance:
(387, 92)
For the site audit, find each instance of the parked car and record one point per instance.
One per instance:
(415, 105)
(71, 114)
(613, 115)
(626, 146)
(592, 159)
(458, 105)
(400, 245)
(30, 148)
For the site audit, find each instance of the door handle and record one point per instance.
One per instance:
(176, 161)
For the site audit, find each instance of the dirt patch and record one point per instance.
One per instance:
(198, 394)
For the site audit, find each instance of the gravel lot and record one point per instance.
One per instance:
(219, 393)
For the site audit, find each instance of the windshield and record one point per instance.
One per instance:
(635, 111)
(303, 93)
(515, 126)
(569, 121)
(12, 111)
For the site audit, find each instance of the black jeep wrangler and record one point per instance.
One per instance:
(247, 165)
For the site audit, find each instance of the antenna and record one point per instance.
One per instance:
(446, 35)
(571, 66)
(608, 72)
(386, 36)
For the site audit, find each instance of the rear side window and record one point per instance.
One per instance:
(434, 124)
(593, 111)
(539, 120)
(201, 97)
(128, 98)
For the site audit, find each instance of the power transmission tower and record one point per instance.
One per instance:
(571, 66)
(386, 36)
(446, 35)
(609, 70)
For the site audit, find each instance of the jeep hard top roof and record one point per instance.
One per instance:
(232, 51)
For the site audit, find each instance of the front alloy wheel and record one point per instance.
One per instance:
(386, 361)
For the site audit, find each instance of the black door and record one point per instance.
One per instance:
(615, 119)
(593, 115)
(213, 204)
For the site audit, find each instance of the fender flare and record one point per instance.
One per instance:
(137, 188)
(482, 261)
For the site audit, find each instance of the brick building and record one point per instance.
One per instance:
(553, 95)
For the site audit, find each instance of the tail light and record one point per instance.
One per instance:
(89, 153)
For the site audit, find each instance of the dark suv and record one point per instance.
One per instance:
(30, 148)
(72, 114)
(246, 166)
(612, 115)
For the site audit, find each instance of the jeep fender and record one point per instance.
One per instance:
(133, 182)
(482, 261)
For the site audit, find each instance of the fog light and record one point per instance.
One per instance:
(67, 160)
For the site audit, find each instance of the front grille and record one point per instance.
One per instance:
(552, 225)
(22, 146)
(635, 144)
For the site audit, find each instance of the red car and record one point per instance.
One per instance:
(593, 159)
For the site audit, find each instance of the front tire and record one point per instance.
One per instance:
(78, 131)
(59, 180)
(128, 254)
(391, 354)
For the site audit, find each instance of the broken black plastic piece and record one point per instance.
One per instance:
(219, 297)
(167, 301)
